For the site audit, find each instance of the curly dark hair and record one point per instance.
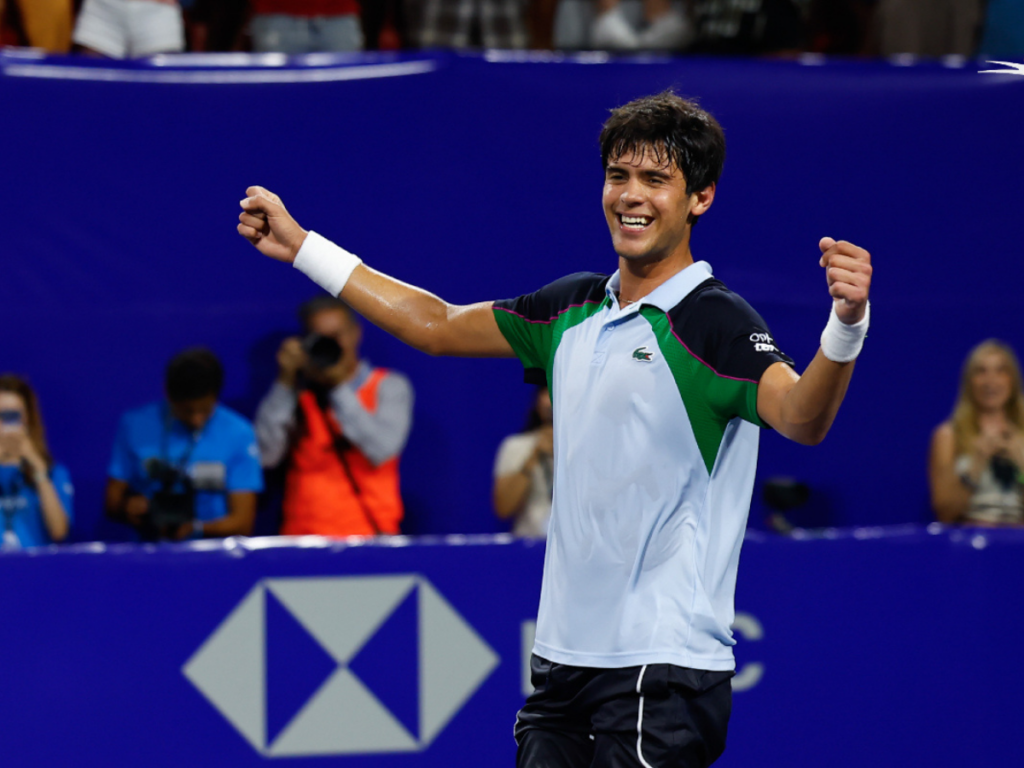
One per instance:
(675, 130)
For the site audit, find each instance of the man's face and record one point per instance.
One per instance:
(646, 206)
(194, 413)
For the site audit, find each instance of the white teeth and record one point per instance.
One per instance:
(635, 221)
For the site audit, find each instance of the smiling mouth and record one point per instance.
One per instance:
(634, 223)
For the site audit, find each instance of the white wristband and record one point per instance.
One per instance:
(840, 342)
(326, 264)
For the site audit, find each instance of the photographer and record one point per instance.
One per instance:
(186, 467)
(340, 424)
(35, 493)
(978, 454)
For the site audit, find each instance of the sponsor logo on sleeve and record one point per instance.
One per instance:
(763, 342)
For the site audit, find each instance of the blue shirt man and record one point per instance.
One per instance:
(186, 467)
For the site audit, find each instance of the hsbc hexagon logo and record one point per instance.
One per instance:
(383, 664)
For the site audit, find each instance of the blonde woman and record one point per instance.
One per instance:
(35, 493)
(977, 456)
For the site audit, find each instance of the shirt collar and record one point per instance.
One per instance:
(669, 293)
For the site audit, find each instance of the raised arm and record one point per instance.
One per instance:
(803, 407)
(411, 314)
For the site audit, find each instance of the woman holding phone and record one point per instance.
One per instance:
(35, 493)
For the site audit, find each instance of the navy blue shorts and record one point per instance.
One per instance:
(654, 716)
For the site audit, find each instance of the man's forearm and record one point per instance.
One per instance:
(810, 407)
(423, 320)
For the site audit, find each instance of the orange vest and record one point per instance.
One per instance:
(318, 495)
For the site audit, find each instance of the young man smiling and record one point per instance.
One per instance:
(660, 378)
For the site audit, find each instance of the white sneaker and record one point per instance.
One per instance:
(612, 31)
(671, 32)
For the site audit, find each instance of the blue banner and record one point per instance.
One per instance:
(888, 647)
(479, 177)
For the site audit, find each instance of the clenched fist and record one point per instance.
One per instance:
(266, 223)
(848, 270)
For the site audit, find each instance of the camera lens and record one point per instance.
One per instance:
(323, 351)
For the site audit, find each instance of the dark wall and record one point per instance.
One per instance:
(481, 180)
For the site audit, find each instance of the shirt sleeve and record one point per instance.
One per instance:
(743, 349)
(275, 422)
(724, 334)
(381, 434)
(530, 323)
(244, 472)
(513, 453)
(122, 460)
(61, 479)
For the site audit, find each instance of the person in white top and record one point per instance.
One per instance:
(524, 472)
(128, 29)
(977, 454)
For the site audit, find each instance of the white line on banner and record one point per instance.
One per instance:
(322, 75)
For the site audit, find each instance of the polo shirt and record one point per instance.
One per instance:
(22, 513)
(221, 458)
(655, 448)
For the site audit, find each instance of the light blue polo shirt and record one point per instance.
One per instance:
(222, 456)
(655, 446)
(21, 511)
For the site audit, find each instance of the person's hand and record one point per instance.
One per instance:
(135, 508)
(266, 223)
(32, 457)
(545, 440)
(848, 270)
(11, 439)
(291, 358)
(180, 533)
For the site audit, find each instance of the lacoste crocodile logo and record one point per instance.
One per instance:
(641, 354)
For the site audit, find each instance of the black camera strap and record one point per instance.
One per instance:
(181, 464)
(341, 447)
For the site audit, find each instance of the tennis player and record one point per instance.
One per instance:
(660, 378)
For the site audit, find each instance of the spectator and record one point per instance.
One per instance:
(666, 27)
(473, 24)
(122, 29)
(35, 492)
(977, 455)
(306, 26)
(936, 28)
(44, 24)
(745, 27)
(523, 472)
(187, 467)
(1003, 30)
(340, 423)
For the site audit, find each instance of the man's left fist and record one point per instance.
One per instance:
(848, 269)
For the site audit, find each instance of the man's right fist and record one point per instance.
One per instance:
(266, 224)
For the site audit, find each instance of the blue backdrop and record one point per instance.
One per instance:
(885, 648)
(479, 177)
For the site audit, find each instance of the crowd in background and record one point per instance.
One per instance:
(133, 28)
(189, 467)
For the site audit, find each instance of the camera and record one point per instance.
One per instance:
(322, 352)
(175, 503)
